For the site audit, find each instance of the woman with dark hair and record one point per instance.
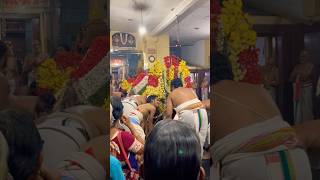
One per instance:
(173, 151)
(25, 146)
(130, 144)
(249, 132)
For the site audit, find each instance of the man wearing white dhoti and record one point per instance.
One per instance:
(142, 116)
(188, 108)
(250, 139)
(131, 103)
(302, 78)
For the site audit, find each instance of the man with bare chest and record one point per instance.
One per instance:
(142, 116)
(188, 107)
(250, 139)
(132, 102)
(302, 77)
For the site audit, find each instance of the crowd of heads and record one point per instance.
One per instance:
(172, 149)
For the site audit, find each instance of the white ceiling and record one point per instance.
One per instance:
(122, 10)
(161, 18)
(198, 17)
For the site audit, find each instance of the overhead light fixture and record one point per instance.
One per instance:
(142, 28)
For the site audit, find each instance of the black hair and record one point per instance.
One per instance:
(176, 83)
(117, 107)
(220, 68)
(24, 141)
(151, 98)
(172, 151)
(3, 49)
(46, 102)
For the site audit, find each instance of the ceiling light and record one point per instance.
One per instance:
(196, 28)
(142, 30)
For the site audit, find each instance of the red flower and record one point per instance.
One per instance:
(171, 60)
(67, 59)
(153, 81)
(189, 85)
(98, 50)
(248, 60)
(187, 79)
(139, 78)
(130, 80)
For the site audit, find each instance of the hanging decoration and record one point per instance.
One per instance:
(236, 39)
(50, 77)
(157, 80)
(88, 74)
(98, 50)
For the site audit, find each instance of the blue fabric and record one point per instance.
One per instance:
(134, 120)
(133, 162)
(116, 172)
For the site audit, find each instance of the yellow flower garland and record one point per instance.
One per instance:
(237, 31)
(157, 69)
(49, 76)
(158, 91)
(171, 73)
(183, 70)
(125, 85)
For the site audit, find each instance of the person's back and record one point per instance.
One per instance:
(140, 99)
(249, 132)
(188, 108)
(248, 103)
(181, 95)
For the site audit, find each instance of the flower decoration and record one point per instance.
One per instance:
(125, 85)
(153, 81)
(51, 77)
(160, 74)
(156, 69)
(97, 51)
(67, 59)
(235, 36)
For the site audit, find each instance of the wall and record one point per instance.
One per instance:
(197, 54)
(72, 18)
(159, 43)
